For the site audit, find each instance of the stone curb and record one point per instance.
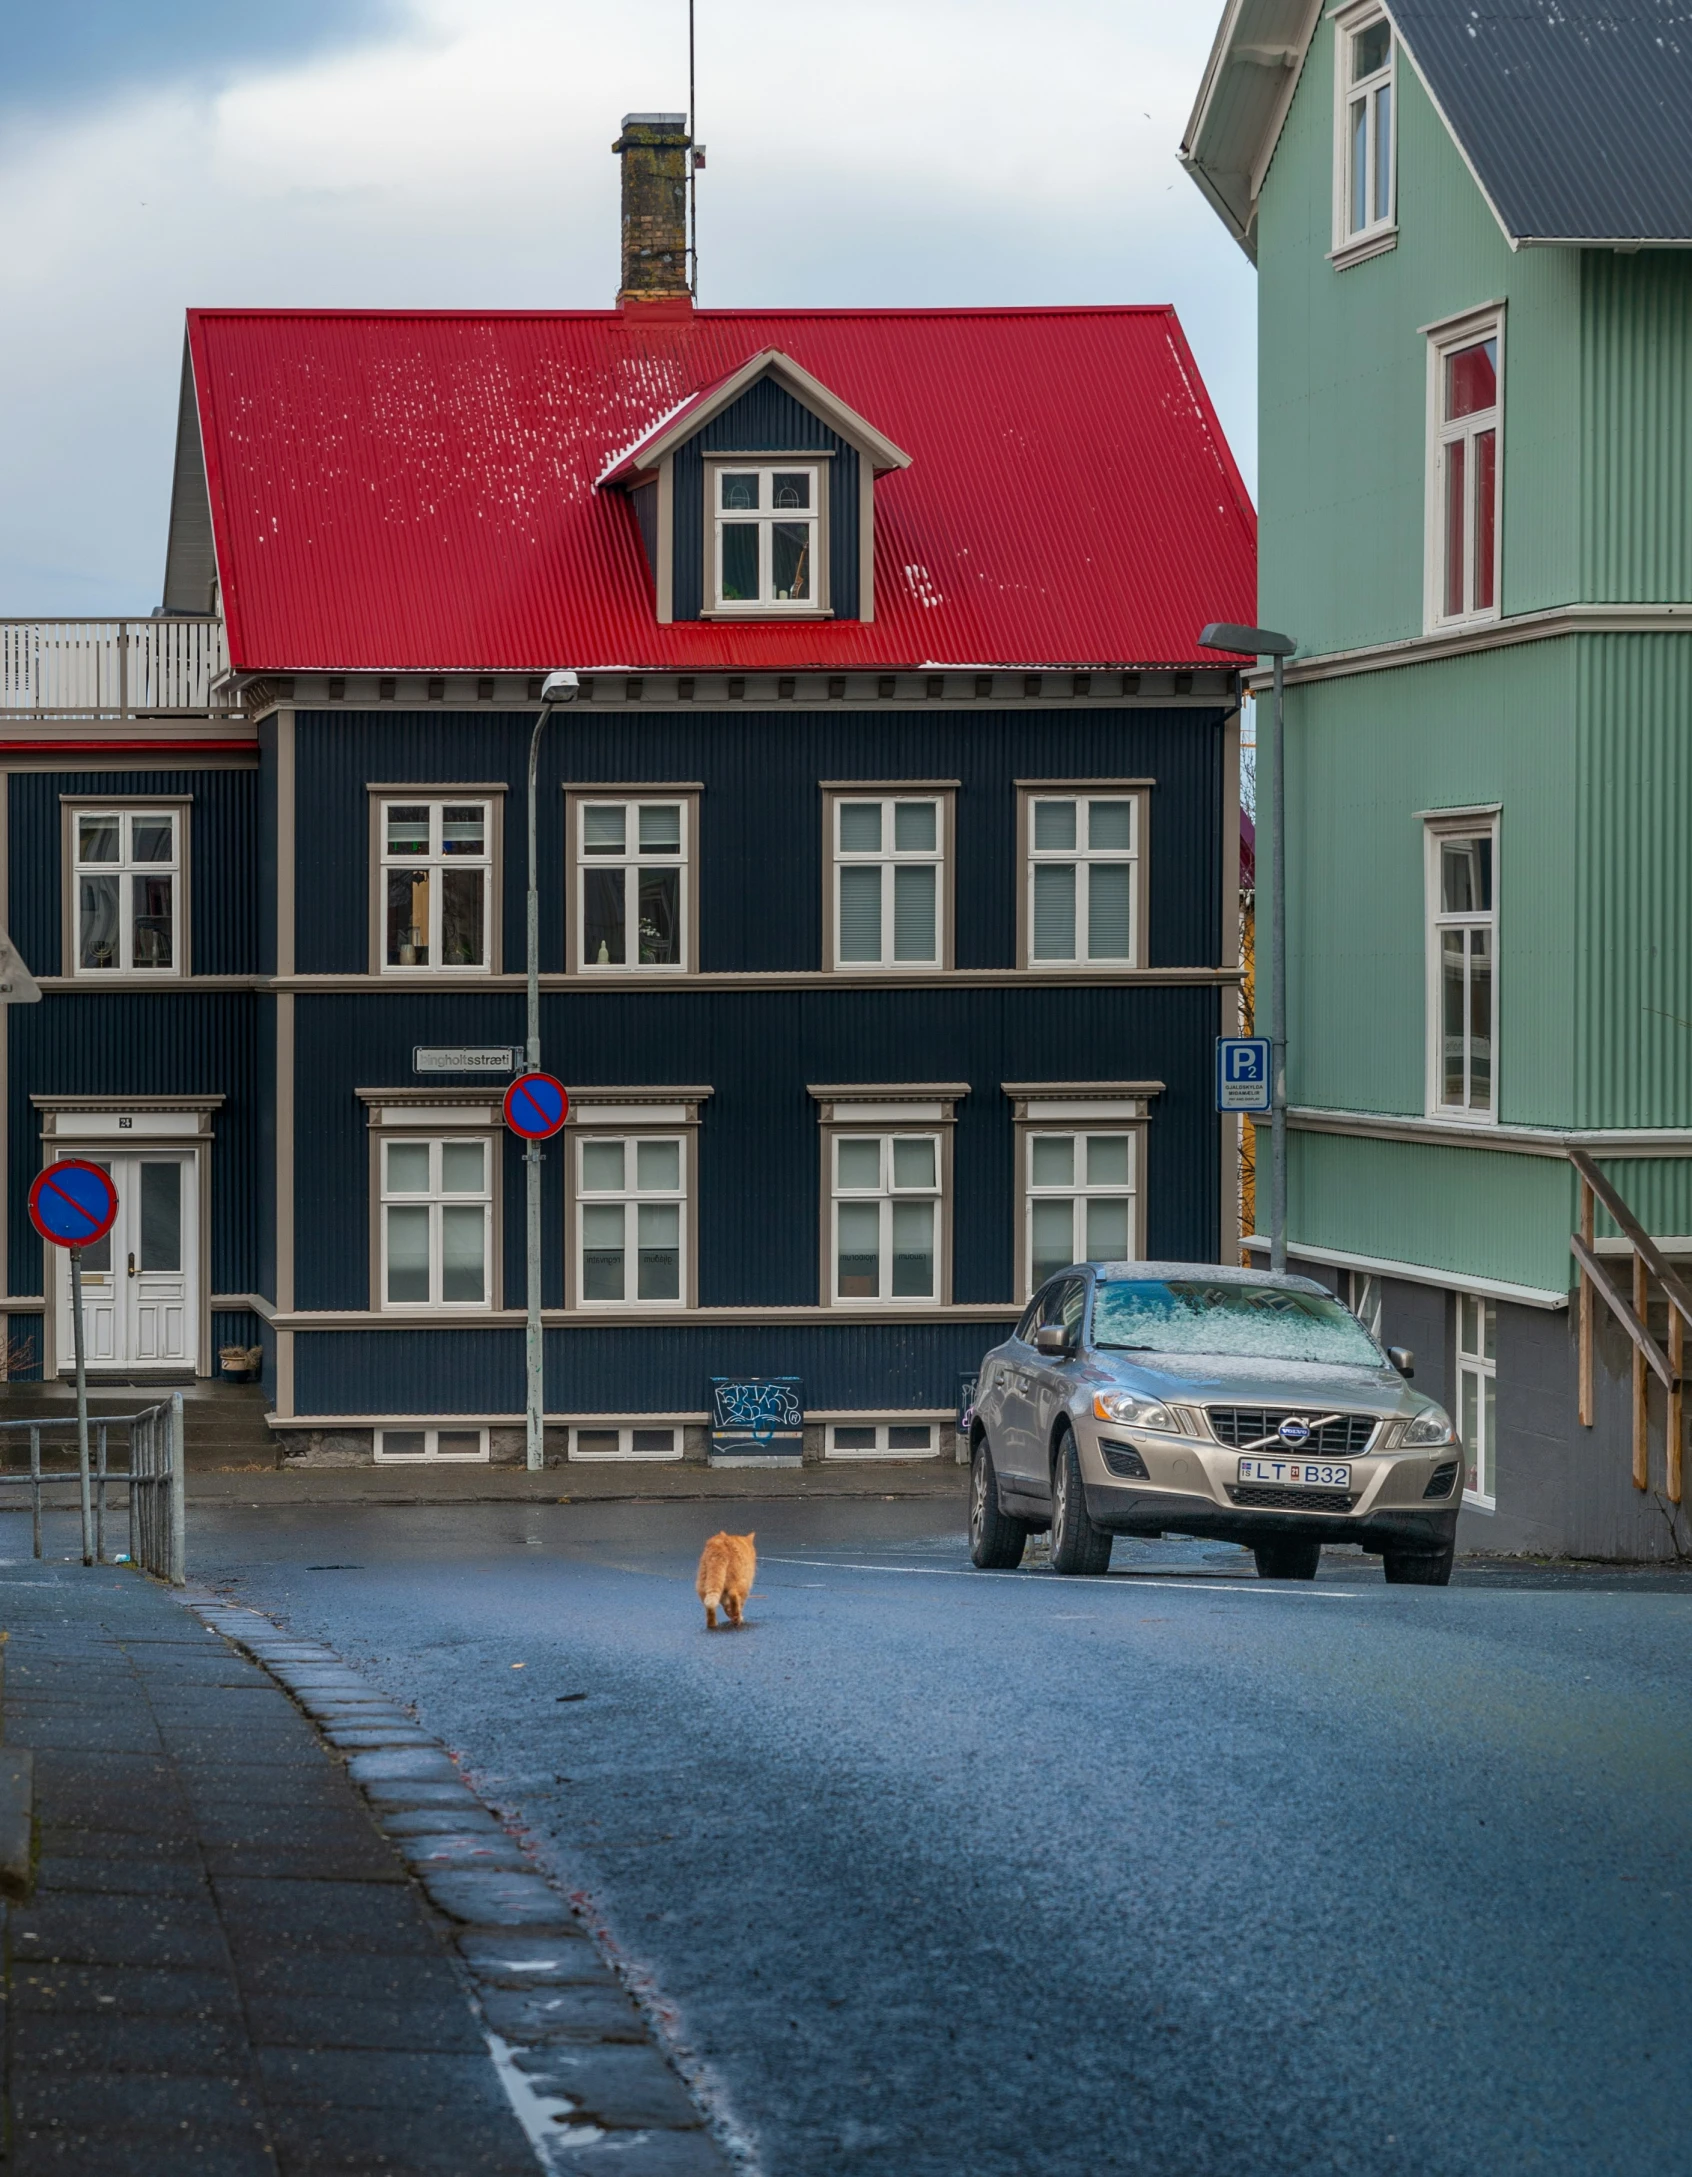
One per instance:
(578, 2060)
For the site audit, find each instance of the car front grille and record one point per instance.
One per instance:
(1123, 1459)
(1267, 1499)
(1346, 1436)
(1441, 1480)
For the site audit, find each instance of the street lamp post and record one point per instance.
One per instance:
(1264, 642)
(557, 688)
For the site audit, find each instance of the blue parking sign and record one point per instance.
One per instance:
(1242, 1073)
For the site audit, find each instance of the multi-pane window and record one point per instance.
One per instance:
(1477, 1395)
(886, 1217)
(1080, 1201)
(887, 866)
(630, 1207)
(1083, 852)
(631, 870)
(437, 1223)
(1463, 996)
(128, 885)
(436, 891)
(1464, 481)
(766, 535)
(1363, 164)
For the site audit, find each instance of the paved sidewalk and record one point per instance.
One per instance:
(225, 1966)
(581, 1484)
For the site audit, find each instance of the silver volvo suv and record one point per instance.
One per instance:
(1145, 1398)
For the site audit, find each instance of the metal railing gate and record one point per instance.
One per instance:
(153, 1480)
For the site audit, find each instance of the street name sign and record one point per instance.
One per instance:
(462, 1058)
(1242, 1073)
(73, 1204)
(536, 1106)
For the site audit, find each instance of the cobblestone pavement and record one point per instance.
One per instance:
(272, 1930)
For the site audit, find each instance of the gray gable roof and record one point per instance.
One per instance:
(1575, 116)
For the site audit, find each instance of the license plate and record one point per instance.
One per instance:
(1296, 1473)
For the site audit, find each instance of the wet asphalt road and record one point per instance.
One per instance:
(1173, 1871)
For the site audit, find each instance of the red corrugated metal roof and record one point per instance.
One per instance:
(414, 491)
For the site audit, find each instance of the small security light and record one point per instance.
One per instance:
(560, 687)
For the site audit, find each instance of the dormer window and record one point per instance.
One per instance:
(767, 537)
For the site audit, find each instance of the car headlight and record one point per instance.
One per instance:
(1137, 1413)
(1429, 1428)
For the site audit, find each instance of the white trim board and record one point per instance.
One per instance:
(1416, 1273)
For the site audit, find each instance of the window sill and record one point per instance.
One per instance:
(1463, 1122)
(1081, 967)
(1463, 623)
(422, 974)
(765, 612)
(1363, 248)
(127, 975)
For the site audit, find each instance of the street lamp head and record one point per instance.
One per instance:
(1250, 642)
(561, 687)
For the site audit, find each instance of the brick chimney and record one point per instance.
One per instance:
(653, 148)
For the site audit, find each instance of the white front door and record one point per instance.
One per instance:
(140, 1285)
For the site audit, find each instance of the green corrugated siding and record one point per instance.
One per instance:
(1342, 375)
(1658, 1190)
(1485, 1212)
(1633, 1029)
(1364, 755)
(1636, 427)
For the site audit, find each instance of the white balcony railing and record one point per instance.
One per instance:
(164, 668)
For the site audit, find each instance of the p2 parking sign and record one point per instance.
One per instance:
(1242, 1073)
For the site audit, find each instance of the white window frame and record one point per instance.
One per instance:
(431, 1454)
(1078, 1192)
(1444, 341)
(1078, 1108)
(1081, 857)
(1477, 1380)
(435, 1200)
(436, 862)
(881, 1428)
(1436, 831)
(766, 466)
(631, 800)
(631, 1197)
(887, 1194)
(625, 1431)
(1363, 1297)
(1379, 230)
(889, 858)
(126, 813)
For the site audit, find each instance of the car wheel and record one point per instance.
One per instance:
(1419, 1568)
(1077, 1545)
(996, 1543)
(1287, 1557)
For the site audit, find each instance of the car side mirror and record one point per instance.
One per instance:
(1052, 1338)
(1402, 1359)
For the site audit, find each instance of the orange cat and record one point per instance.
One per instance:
(728, 1565)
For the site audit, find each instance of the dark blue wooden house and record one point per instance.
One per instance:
(889, 862)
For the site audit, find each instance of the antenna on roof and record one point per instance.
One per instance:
(694, 161)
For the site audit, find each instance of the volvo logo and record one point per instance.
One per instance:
(1294, 1431)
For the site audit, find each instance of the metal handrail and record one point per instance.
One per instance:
(1649, 1358)
(154, 1479)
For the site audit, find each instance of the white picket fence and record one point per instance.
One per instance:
(165, 668)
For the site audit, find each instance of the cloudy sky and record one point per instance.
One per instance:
(158, 153)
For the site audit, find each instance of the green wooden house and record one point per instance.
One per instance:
(1473, 230)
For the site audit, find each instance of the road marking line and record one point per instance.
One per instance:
(1124, 1582)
